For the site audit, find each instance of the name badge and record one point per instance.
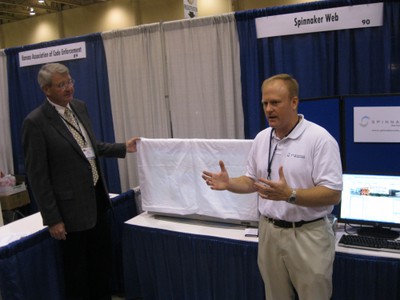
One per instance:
(89, 153)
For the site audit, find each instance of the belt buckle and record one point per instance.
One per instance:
(272, 221)
(281, 223)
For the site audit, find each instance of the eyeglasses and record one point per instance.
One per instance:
(64, 85)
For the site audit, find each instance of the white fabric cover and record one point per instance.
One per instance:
(170, 178)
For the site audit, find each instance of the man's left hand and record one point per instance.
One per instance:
(131, 146)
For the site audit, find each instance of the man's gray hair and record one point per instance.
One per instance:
(47, 71)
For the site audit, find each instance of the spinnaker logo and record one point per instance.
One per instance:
(379, 123)
(364, 121)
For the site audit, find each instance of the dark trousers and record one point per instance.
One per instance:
(87, 259)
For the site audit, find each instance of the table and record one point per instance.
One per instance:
(170, 258)
(365, 274)
(185, 259)
(30, 259)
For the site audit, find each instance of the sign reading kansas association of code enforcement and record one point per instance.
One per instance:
(346, 17)
(52, 54)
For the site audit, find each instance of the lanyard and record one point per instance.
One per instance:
(271, 158)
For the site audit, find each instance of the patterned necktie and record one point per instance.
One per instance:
(74, 128)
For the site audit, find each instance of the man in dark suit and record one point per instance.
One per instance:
(61, 159)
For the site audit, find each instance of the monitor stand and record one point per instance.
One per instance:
(378, 232)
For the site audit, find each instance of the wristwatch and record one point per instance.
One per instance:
(293, 197)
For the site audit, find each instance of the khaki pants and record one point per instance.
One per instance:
(299, 258)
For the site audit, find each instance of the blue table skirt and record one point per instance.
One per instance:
(29, 268)
(168, 265)
(360, 277)
(173, 265)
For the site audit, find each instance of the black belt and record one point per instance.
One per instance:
(285, 224)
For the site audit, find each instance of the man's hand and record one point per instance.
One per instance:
(131, 144)
(57, 231)
(273, 190)
(217, 181)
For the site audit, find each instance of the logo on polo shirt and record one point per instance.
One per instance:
(294, 155)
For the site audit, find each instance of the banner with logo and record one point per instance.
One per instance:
(377, 124)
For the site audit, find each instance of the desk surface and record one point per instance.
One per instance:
(23, 227)
(230, 231)
(20, 228)
(198, 227)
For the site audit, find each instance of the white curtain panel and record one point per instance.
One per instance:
(203, 63)
(174, 80)
(6, 156)
(136, 78)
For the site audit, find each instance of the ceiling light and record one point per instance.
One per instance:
(32, 11)
(41, 1)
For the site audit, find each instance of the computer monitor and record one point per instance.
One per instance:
(372, 201)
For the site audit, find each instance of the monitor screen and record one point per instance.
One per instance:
(372, 200)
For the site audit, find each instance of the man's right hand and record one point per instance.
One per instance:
(57, 231)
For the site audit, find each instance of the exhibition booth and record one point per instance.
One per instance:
(191, 89)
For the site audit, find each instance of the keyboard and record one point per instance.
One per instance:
(369, 243)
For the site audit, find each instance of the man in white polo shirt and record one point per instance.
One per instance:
(295, 167)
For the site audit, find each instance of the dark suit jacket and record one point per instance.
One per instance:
(59, 174)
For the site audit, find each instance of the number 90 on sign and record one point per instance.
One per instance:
(366, 21)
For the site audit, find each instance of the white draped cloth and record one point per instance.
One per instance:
(170, 178)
